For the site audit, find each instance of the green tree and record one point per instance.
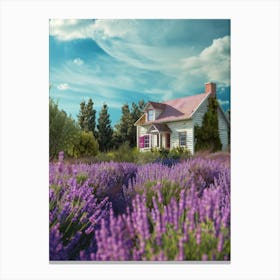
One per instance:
(207, 136)
(86, 145)
(105, 132)
(63, 131)
(228, 112)
(124, 129)
(82, 116)
(136, 113)
(86, 116)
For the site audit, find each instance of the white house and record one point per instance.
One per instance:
(171, 123)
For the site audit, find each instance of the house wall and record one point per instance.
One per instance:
(222, 123)
(188, 126)
(198, 115)
(175, 127)
(181, 126)
(157, 111)
(223, 130)
(141, 131)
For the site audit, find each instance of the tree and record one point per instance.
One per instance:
(86, 116)
(207, 136)
(86, 145)
(124, 129)
(105, 132)
(136, 113)
(91, 117)
(228, 112)
(137, 109)
(63, 131)
(82, 116)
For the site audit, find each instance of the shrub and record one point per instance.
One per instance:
(124, 153)
(104, 157)
(179, 153)
(207, 135)
(86, 145)
(146, 157)
(63, 131)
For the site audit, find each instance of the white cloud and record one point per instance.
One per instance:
(69, 29)
(213, 62)
(63, 86)
(113, 28)
(144, 56)
(159, 93)
(78, 61)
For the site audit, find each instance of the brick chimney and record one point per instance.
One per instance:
(211, 88)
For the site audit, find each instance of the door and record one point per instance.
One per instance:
(167, 140)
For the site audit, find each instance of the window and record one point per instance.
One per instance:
(151, 115)
(182, 139)
(146, 141)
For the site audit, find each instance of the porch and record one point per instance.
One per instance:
(157, 136)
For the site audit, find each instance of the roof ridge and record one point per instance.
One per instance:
(183, 97)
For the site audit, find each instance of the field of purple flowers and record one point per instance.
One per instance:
(152, 212)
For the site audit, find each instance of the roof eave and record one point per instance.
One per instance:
(199, 104)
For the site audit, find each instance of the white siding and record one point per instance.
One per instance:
(188, 127)
(198, 115)
(175, 128)
(223, 130)
(223, 125)
(142, 130)
(181, 126)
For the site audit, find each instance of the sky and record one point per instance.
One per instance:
(123, 61)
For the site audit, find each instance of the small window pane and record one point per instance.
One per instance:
(151, 115)
(146, 141)
(182, 138)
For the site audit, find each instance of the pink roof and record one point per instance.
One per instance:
(180, 108)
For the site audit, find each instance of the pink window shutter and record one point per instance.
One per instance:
(141, 142)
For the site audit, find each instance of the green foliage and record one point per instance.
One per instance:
(104, 157)
(81, 178)
(192, 249)
(228, 112)
(105, 132)
(136, 113)
(63, 131)
(179, 153)
(146, 157)
(168, 190)
(207, 136)
(86, 117)
(163, 152)
(86, 145)
(124, 153)
(125, 129)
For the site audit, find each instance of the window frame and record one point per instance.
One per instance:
(153, 116)
(147, 136)
(182, 133)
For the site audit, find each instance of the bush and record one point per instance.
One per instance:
(179, 153)
(124, 153)
(146, 157)
(63, 131)
(86, 145)
(104, 157)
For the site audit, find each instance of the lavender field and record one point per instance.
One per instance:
(113, 211)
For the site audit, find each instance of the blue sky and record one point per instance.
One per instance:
(121, 61)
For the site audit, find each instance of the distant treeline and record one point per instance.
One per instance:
(90, 134)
